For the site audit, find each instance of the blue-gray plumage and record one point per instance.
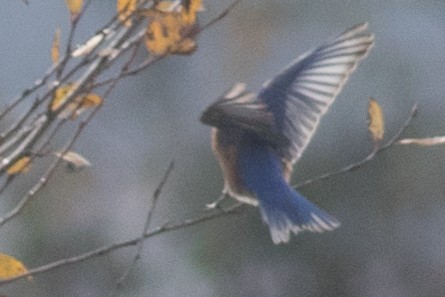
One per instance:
(258, 138)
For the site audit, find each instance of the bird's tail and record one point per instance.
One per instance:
(291, 212)
(282, 208)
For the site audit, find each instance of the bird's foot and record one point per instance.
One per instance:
(217, 203)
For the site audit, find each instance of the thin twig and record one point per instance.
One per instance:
(94, 69)
(49, 172)
(222, 15)
(69, 44)
(150, 211)
(427, 141)
(376, 150)
(37, 128)
(36, 85)
(96, 65)
(44, 179)
(39, 185)
(144, 65)
(7, 182)
(234, 209)
(20, 122)
(111, 25)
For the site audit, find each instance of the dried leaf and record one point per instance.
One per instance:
(376, 123)
(185, 47)
(166, 6)
(55, 49)
(11, 267)
(60, 96)
(190, 10)
(162, 34)
(125, 8)
(429, 141)
(90, 100)
(22, 165)
(193, 5)
(89, 46)
(79, 104)
(169, 28)
(75, 7)
(74, 161)
(83, 103)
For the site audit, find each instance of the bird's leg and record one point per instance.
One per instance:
(217, 202)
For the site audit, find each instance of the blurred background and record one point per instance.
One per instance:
(392, 239)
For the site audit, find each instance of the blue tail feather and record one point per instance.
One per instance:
(286, 211)
(282, 208)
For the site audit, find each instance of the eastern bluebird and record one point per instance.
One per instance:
(258, 138)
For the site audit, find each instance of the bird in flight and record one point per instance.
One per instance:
(257, 138)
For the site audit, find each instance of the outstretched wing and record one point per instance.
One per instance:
(304, 90)
(242, 110)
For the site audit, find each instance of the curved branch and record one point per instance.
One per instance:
(376, 150)
(167, 227)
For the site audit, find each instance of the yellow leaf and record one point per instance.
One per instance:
(90, 100)
(22, 165)
(376, 120)
(159, 37)
(192, 5)
(185, 47)
(155, 41)
(55, 49)
(195, 5)
(170, 25)
(190, 10)
(11, 267)
(75, 108)
(75, 7)
(151, 12)
(125, 8)
(60, 96)
(80, 105)
(164, 36)
(165, 6)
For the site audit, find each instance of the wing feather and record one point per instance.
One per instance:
(304, 90)
(242, 110)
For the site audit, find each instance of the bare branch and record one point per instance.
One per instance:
(34, 130)
(222, 15)
(429, 141)
(151, 208)
(376, 150)
(167, 227)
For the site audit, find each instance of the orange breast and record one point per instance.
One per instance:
(224, 144)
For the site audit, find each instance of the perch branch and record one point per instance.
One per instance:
(167, 227)
(376, 150)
